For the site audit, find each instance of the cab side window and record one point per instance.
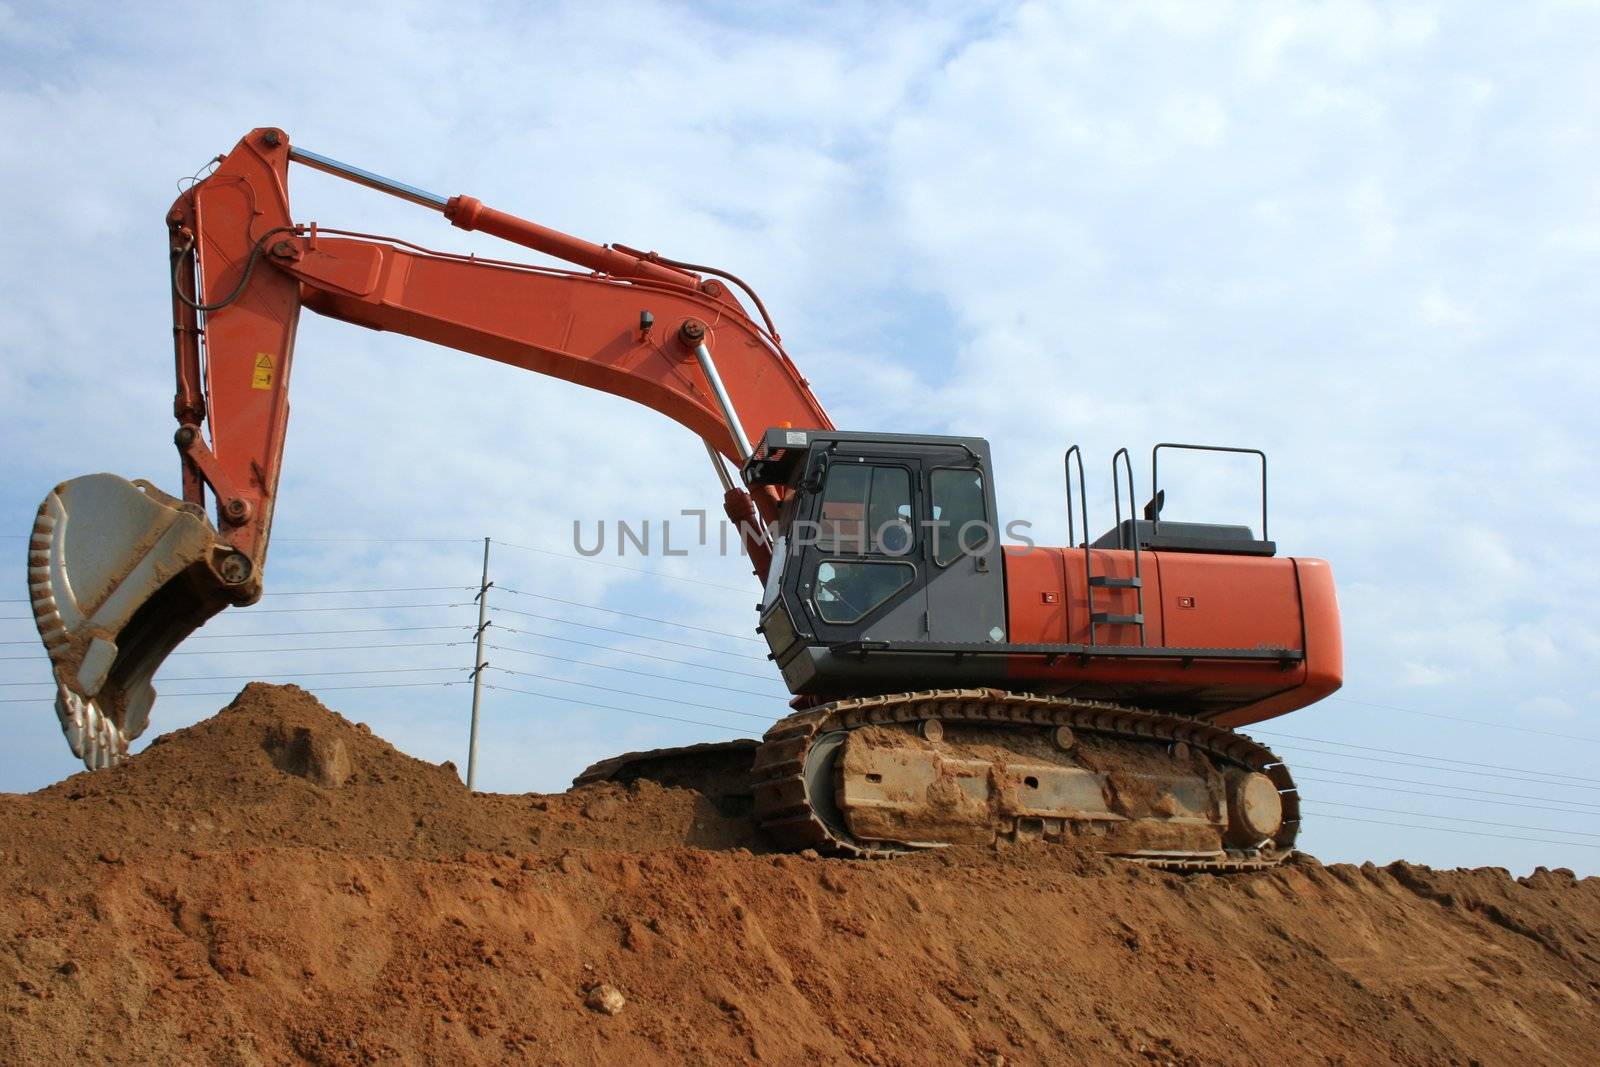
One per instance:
(961, 525)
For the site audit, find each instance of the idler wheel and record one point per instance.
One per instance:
(1255, 810)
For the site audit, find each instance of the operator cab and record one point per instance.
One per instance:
(882, 537)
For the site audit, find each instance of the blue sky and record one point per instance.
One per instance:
(1362, 237)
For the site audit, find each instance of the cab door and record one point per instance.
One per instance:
(861, 573)
(966, 596)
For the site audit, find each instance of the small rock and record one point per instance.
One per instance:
(605, 998)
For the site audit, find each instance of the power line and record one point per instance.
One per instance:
(645, 674)
(1432, 767)
(628, 633)
(1591, 782)
(611, 707)
(322, 633)
(253, 610)
(390, 589)
(339, 540)
(1474, 722)
(353, 607)
(377, 540)
(318, 648)
(631, 693)
(265, 677)
(620, 567)
(260, 651)
(1444, 796)
(1453, 818)
(624, 651)
(1451, 830)
(292, 633)
(1441, 785)
(234, 692)
(629, 615)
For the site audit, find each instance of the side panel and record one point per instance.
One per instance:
(1036, 596)
(1192, 600)
(1214, 601)
(1047, 596)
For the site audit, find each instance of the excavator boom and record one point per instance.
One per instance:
(120, 572)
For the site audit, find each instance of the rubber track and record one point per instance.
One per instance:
(783, 809)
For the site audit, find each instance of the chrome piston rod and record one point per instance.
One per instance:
(317, 161)
(709, 367)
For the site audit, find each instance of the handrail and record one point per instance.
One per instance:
(1083, 504)
(1155, 483)
(1076, 453)
(1116, 490)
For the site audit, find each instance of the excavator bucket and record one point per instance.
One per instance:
(119, 573)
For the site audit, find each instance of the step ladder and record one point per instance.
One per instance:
(1098, 619)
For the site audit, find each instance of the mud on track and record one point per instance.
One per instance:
(278, 885)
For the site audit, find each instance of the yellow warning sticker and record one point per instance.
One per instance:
(262, 378)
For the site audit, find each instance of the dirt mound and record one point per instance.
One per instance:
(278, 885)
(276, 768)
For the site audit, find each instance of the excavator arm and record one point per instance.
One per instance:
(121, 572)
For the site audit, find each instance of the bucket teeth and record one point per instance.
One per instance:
(92, 735)
(118, 574)
(74, 719)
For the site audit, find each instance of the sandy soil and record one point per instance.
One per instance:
(278, 885)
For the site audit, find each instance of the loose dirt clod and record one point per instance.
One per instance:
(605, 998)
(316, 757)
(278, 885)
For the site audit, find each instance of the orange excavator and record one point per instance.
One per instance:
(947, 688)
